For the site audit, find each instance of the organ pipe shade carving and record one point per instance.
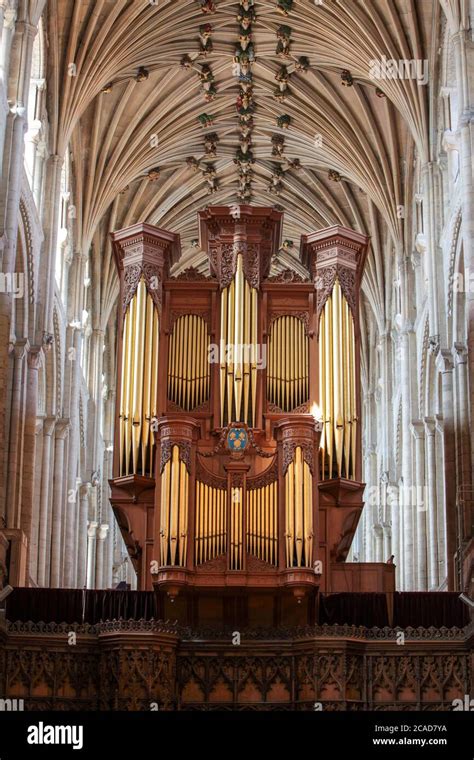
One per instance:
(188, 362)
(298, 512)
(337, 382)
(288, 361)
(236, 528)
(238, 350)
(211, 522)
(261, 522)
(138, 391)
(174, 511)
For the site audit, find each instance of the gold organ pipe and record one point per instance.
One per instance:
(322, 390)
(299, 504)
(254, 358)
(123, 392)
(308, 514)
(148, 343)
(338, 386)
(138, 376)
(231, 341)
(291, 507)
(199, 520)
(154, 383)
(239, 331)
(223, 342)
(247, 359)
(173, 533)
(138, 384)
(352, 373)
(182, 525)
(164, 517)
(329, 409)
(184, 535)
(129, 396)
(210, 539)
(287, 376)
(188, 379)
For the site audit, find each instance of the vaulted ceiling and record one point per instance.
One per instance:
(121, 122)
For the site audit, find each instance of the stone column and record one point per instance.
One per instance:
(432, 513)
(28, 505)
(418, 431)
(101, 536)
(15, 440)
(45, 506)
(392, 500)
(84, 492)
(70, 476)
(445, 367)
(408, 509)
(91, 539)
(464, 62)
(59, 498)
(463, 436)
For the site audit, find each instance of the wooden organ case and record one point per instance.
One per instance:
(237, 453)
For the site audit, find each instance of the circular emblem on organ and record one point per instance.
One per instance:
(237, 439)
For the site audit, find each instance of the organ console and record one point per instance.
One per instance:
(237, 455)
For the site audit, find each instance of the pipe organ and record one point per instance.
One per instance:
(288, 363)
(188, 365)
(237, 445)
(139, 380)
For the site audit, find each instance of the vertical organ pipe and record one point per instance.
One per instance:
(138, 385)
(287, 374)
(238, 349)
(337, 383)
(174, 511)
(298, 512)
(188, 365)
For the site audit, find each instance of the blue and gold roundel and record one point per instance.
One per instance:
(237, 439)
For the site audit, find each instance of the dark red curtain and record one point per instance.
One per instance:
(429, 608)
(353, 609)
(370, 609)
(74, 606)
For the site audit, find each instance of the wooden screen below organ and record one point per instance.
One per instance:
(288, 364)
(188, 362)
(139, 379)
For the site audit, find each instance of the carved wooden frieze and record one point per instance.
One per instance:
(153, 280)
(289, 447)
(184, 453)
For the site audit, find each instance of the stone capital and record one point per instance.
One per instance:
(62, 428)
(49, 425)
(430, 425)
(21, 348)
(460, 353)
(35, 357)
(444, 361)
(102, 531)
(92, 530)
(418, 429)
(84, 490)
